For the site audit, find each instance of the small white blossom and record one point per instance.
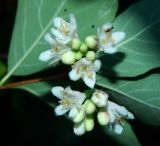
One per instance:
(86, 70)
(70, 100)
(108, 40)
(100, 98)
(64, 31)
(57, 50)
(116, 113)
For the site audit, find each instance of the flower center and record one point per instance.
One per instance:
(66, 102)
(64, 28)
(107, 39)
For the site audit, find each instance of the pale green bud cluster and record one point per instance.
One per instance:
(81, 49)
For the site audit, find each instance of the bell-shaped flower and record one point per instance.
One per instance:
(64, 31)
(100, 98)
(86, 70)
(70, 100)
(54, 54)
(107, 40)
(116, 114)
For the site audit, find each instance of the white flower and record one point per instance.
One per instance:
(86, 70)
(54, 54)
(70, 100)
(100, 98)
(108, 40)
(65, 31)
(116, 113)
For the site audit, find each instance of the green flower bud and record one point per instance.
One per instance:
(80, 116)
(91, 55)
(68, 57)
(90, 107)
(89, 124)
(78, 55)
(103, 118)
(83, 48)
(91, 41)
(76, 44)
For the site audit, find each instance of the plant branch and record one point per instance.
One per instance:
(20, 83)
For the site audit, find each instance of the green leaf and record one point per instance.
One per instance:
(34, 19)
(38, 89)
(41, 89)
(126, 138)
(142, 97)
(2, 69)
(140, 51)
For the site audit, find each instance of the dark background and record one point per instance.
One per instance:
(26, 120)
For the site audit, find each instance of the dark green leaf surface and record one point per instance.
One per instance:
(142, 97)
(140, 50)
(126, 138)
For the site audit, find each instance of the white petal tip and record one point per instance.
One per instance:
(45, 56)
(57, 91)
(79, 129)
(118, 36)
(73, 75)
(60, 110)
(118, 129)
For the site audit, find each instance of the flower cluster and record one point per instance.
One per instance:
(82, 109)
(67, 47)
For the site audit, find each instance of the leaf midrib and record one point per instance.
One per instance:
(32, 46)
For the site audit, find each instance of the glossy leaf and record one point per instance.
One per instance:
(142, 97)
(34, 19)
(140, 51)
(126, 138)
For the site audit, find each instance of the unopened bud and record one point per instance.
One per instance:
(78, 55)
(91, 41)
(83, 48)
(100, 98)
(68, 57)
(91, 55)
(89, 124)
(103, 118)
(80, 116)
(76, 44)
(90, 107)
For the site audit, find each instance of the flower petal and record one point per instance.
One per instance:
(111, 112)
(73, 21)
(118, 128)
(79, 128)
(73, 112)
(57, 33)
(46, 55)
(90, 81)
(121, 110)
(107, 26)
(48, 38)
(97, 65)
(59, 22)
(118, 36)
(60, 110)
(130, 116)
(73, 75)
(85, 61)
(58, 91)
(109, 50)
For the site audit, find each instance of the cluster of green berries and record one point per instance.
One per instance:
(81, 49)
